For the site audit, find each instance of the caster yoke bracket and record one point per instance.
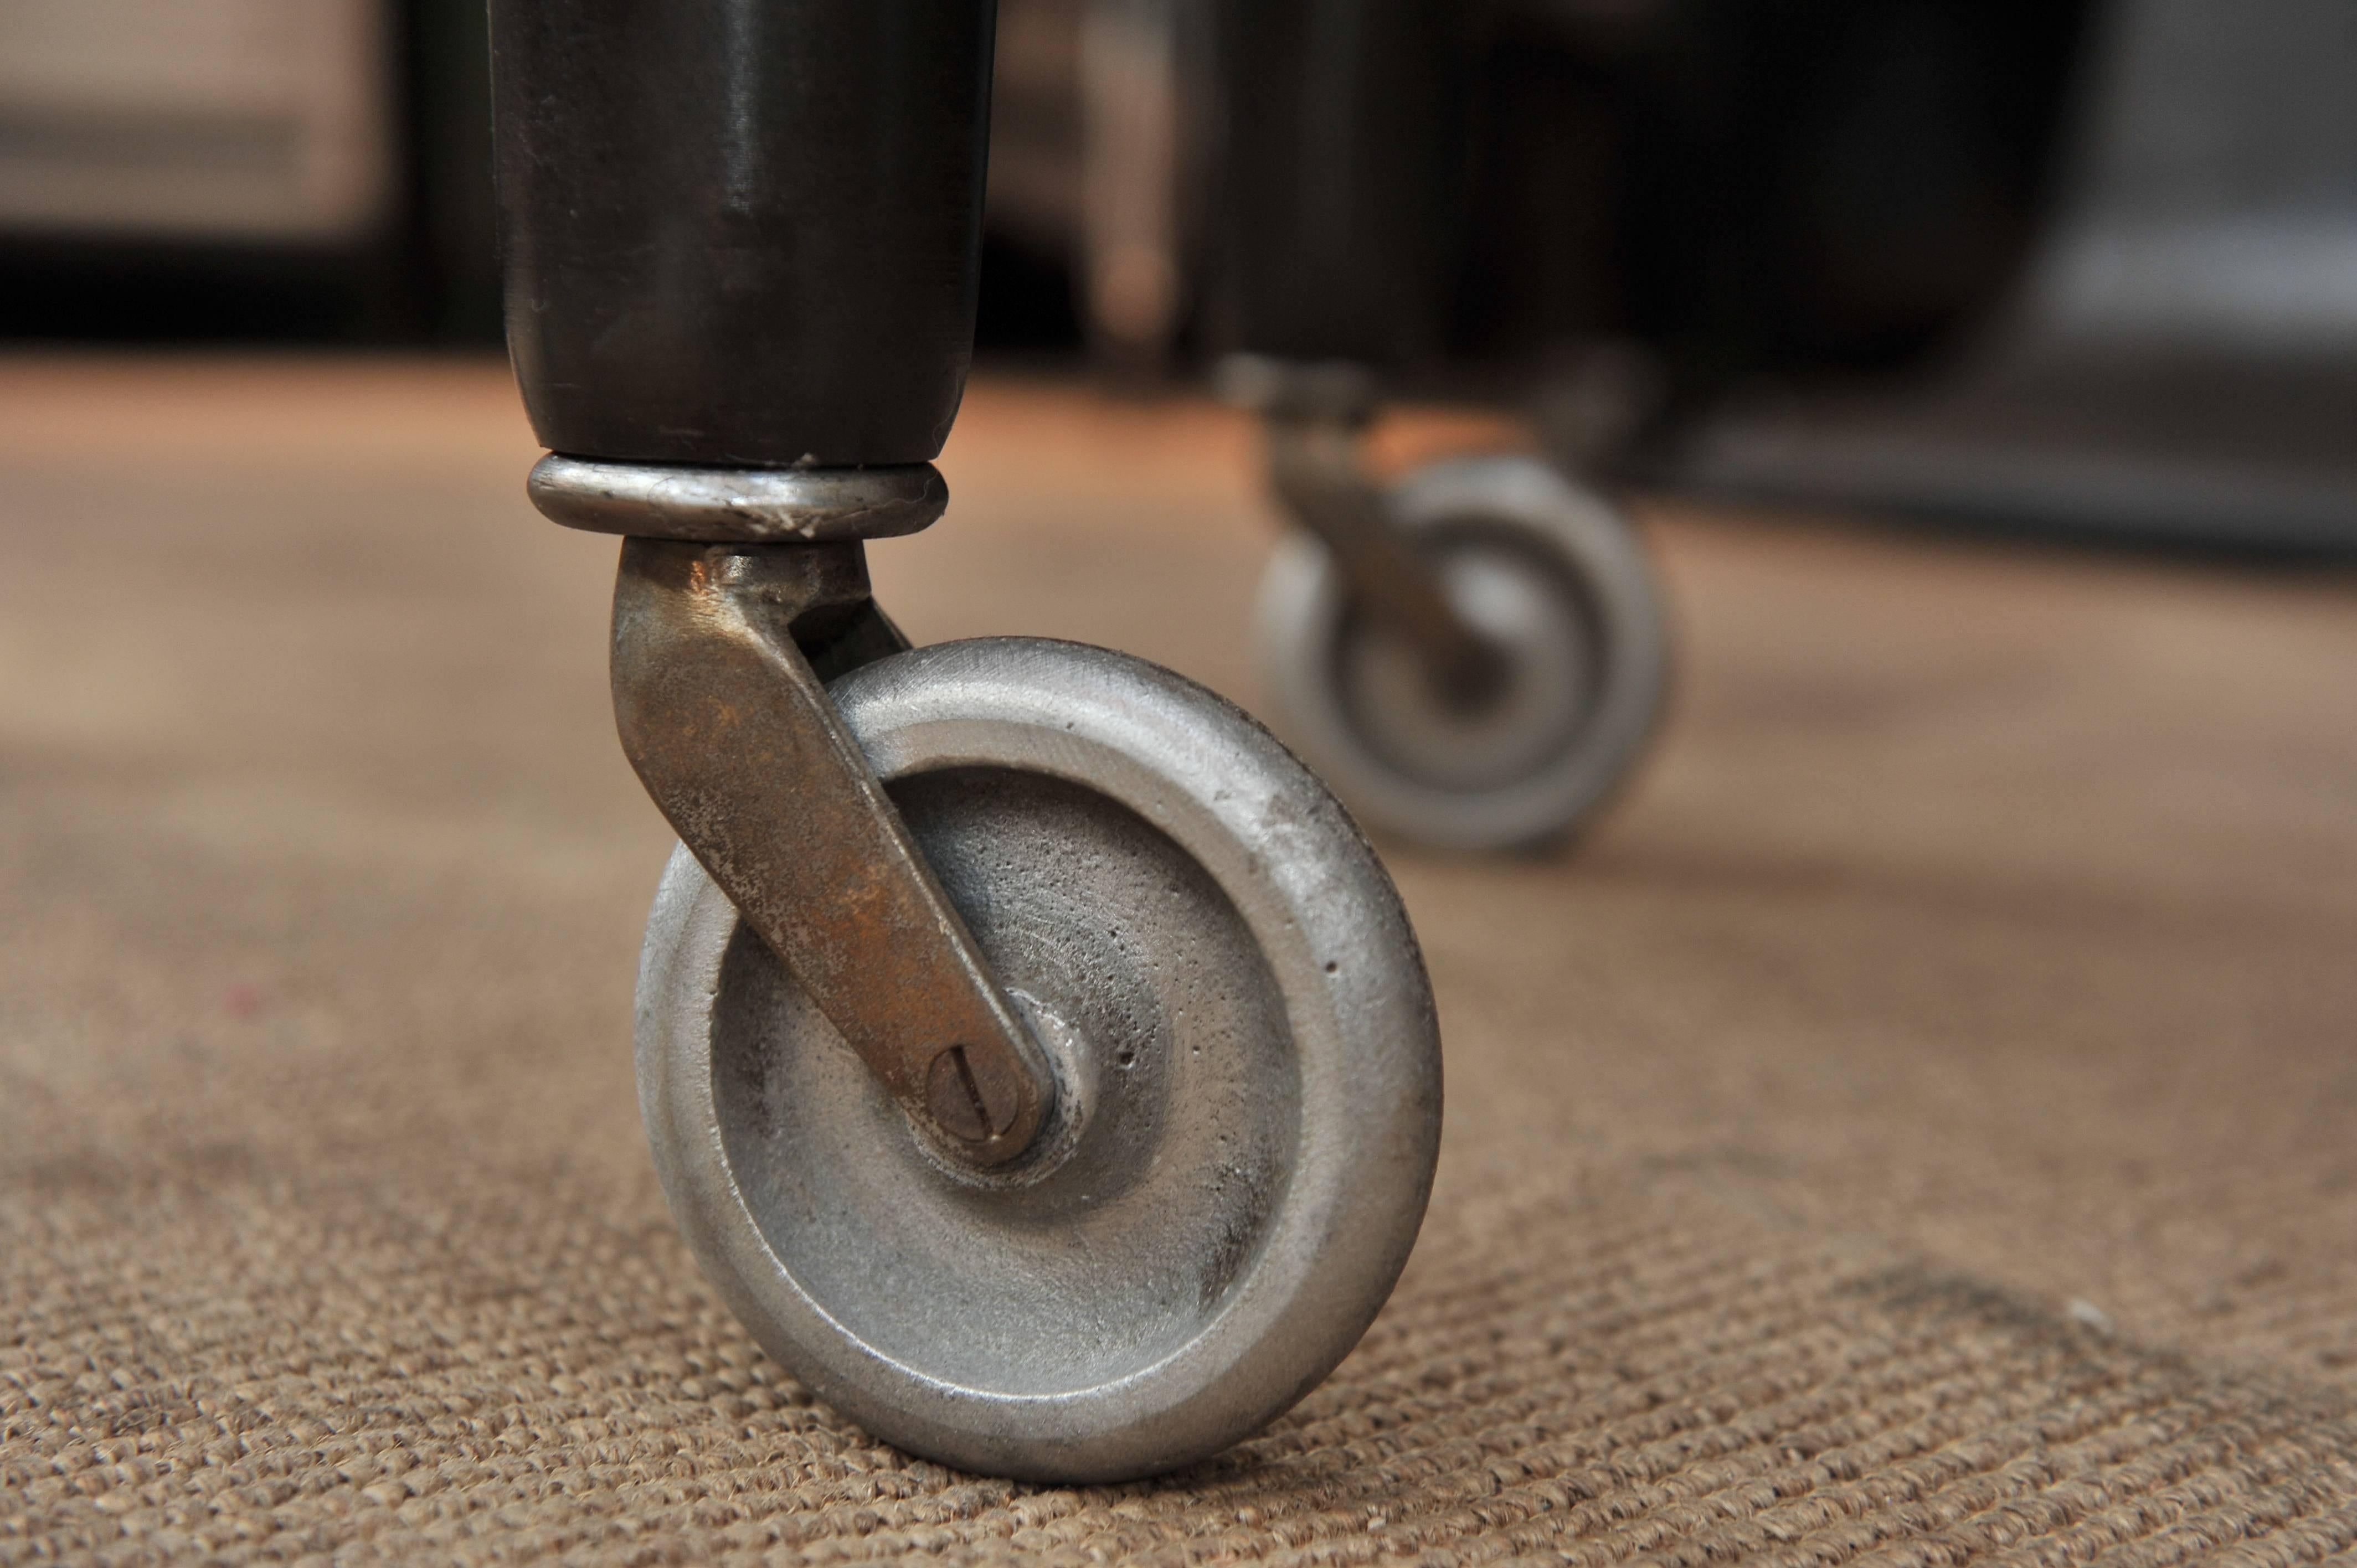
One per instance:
(721, 652)
(1317, 469)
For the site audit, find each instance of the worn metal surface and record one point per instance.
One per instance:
(758, 506)
(1555, 580)
(724, 717)
(1249, 1075)
(1316, 467)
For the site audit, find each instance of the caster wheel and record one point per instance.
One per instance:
(1248, 1083)
(1556, 579)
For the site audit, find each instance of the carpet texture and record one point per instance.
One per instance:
(1916, 1126)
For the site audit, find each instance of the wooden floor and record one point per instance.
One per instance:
(1983, 931)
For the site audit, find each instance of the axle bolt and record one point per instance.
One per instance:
(969, 1105)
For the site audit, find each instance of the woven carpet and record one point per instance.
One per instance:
(1916, 1126)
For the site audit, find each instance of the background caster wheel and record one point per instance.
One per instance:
(1248, 1083)
(1555, 577)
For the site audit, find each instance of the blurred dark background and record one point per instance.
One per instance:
(2044, 263)
(1839, 181)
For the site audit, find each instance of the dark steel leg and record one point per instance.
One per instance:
(741, 232)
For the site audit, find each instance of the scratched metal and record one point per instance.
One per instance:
(758, 506)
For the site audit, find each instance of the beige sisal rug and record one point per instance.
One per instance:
(1916, 1127)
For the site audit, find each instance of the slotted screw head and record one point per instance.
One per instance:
(966, 1098)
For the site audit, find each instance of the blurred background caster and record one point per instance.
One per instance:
(1515, 744)
(1474, 657)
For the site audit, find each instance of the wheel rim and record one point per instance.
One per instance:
(1213, 1220)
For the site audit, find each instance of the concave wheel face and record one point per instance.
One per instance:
(1534, 611)
(1174, 1141)
(1557, 583)
(1243, 1138)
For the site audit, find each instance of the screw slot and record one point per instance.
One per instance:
(959, 1102)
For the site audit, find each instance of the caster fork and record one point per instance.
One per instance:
(1315, 418)
(721, 654)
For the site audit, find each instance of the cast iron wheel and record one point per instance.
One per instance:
(1248, 1083)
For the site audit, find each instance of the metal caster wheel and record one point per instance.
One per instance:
(1547, 574)
(1035, 1055)
(1246, 1072)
